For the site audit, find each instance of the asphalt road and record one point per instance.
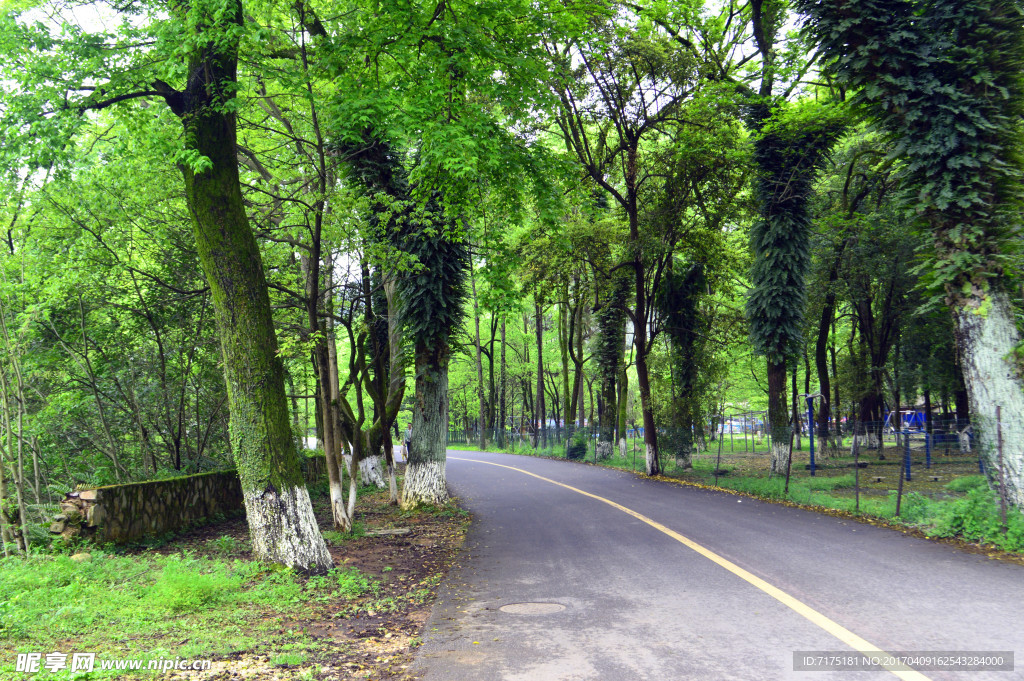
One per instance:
(755, 583)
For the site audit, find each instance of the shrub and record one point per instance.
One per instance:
(352, 583)
(182, 585)
(576, 447)
(915, 508)
(976, 517)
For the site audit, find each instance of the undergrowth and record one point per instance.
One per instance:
(150, 606)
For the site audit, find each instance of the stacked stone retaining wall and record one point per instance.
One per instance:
(126, 513)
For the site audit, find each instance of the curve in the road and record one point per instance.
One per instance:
(795, 604)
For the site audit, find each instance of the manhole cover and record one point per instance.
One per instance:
(532, 608)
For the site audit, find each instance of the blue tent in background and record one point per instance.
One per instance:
(905, 420)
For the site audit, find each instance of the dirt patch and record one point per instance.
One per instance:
(371, 637)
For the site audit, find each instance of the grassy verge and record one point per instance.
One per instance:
(151, 607)
(202, 597)
(949, 500)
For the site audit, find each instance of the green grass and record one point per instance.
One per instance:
(967, 483)
(149, 606)
(289, 659)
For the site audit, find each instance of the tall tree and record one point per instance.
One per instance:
(944, 78)
(618, 89)
(788, 153)
(202, 49)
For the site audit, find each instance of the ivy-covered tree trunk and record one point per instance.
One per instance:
(281, 521)
(944, 77)
(428, 298)
(788, 153)
(678, 302)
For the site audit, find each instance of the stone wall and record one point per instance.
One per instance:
(126, 513)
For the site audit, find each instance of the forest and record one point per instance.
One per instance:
(236, 232)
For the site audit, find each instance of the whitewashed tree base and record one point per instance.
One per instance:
(424, 484)
(371, 471)
(622, 447)
(338, 514)
(650, 460)
(985, 342)
(392, 486)
(780, 458)
(284, 530)
(964, 436)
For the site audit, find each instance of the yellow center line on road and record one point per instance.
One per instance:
(835, 629)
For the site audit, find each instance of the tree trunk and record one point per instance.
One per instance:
(580, 377)
(564, 323)
(538, 405)
(281, 521)
(825, 322)
(479, 366)
(986, 338)
(11, 517)
(778, 417)
(961, 406)
(608, 415)
(425, 481)
(652, 465)
(928, 411)
(796, 408)
(396, 383)
(332, 421)
(371, 470)
(836, 407)
(16, 515)
(620, 408)
(5, 534)
(503, 387)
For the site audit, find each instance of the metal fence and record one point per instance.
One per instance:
(746, 433)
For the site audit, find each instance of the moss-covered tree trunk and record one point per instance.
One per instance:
(281, 521)
(611, 324)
